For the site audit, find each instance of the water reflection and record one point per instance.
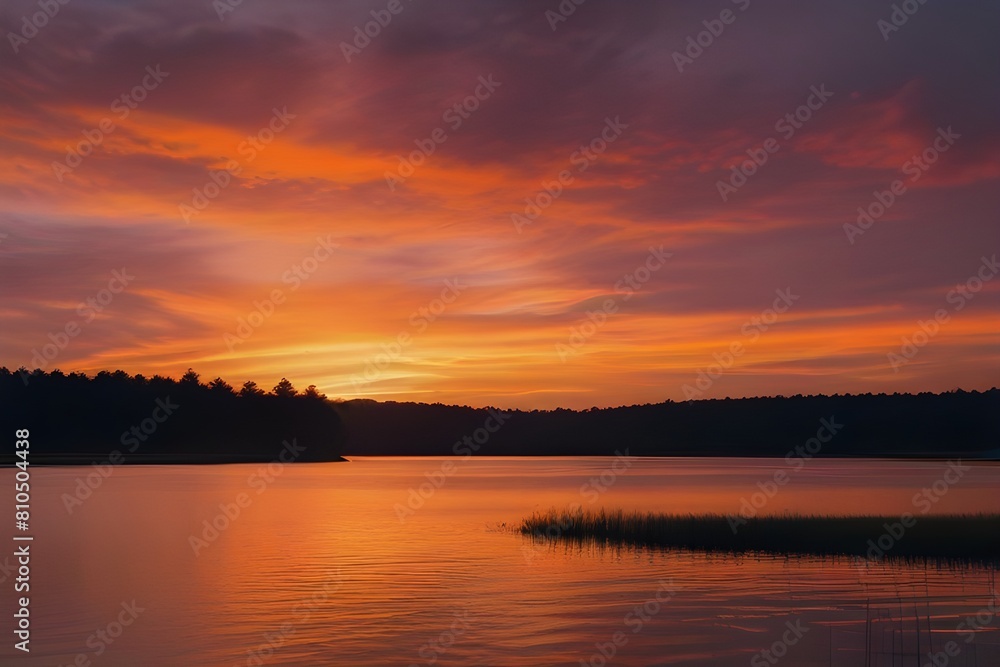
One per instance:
(320, 570)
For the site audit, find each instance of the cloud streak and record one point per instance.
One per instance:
(654, 185)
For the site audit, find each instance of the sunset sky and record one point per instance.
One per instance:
(309, 124)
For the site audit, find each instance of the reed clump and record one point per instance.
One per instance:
(960, 537)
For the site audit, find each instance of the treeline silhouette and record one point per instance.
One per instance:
(76, 419)
(929, 425)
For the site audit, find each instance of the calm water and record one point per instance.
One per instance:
(319, 569)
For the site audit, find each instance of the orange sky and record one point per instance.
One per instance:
(540, 314)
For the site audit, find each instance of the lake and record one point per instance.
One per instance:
(410, 561)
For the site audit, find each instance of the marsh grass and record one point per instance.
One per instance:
(971, 538)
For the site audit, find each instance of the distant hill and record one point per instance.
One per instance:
(944, 425)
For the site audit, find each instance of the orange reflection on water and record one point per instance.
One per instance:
(352, 564)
